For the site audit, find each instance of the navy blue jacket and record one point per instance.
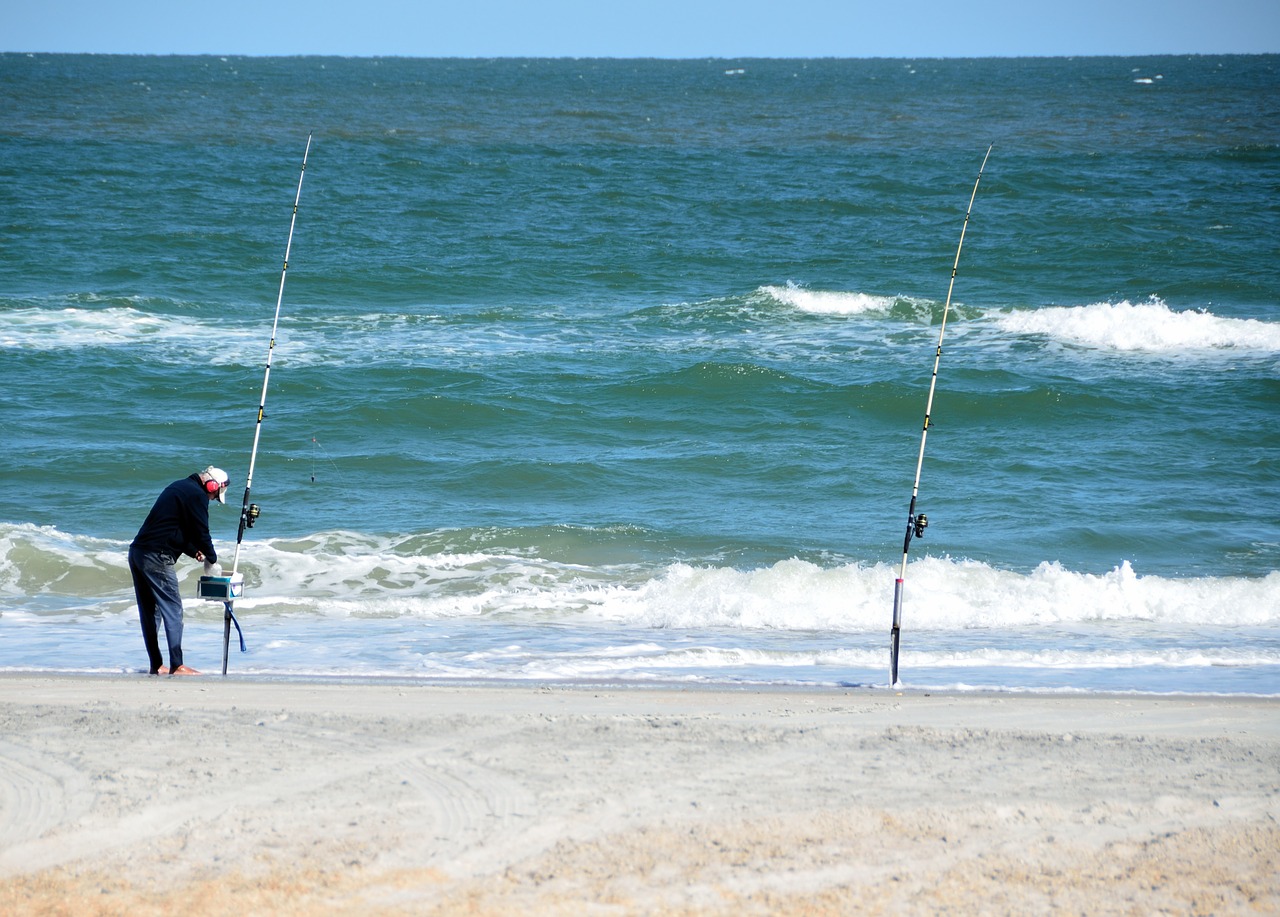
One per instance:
(178, 522)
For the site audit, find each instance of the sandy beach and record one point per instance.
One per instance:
(128, 794)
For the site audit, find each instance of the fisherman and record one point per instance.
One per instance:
(177, 524)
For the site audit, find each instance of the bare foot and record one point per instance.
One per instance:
(185, 670)
(163, 670)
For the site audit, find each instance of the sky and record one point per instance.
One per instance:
(644, 28)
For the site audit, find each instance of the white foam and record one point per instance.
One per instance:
(1145, 327)
(828, 302)
(939, 593)
(351, 575)
(61, 329)
(41, 560)
(443, 605)
(172, 336)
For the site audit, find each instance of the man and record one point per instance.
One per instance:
(177, 524)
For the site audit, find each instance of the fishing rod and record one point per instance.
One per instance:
(916, 523)
(231, 587)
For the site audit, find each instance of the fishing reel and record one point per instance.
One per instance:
(920, 522)
(251, 514)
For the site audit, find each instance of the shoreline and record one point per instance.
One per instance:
(634, 684)
(127, 793)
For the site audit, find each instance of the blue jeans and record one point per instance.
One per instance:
(155, 584)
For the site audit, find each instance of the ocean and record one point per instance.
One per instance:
(616, 370)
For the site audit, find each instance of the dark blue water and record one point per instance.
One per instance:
(627, 361)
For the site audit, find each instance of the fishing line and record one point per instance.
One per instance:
(317, 447)
(249, 511)
(916, 523)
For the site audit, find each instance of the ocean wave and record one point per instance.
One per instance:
(171, 332)
(174, 337)
(524, 575)
(1150, 327)
(829, 302)
(942, 594)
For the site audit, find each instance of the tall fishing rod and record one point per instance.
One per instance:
(916, 523)
(249, 512)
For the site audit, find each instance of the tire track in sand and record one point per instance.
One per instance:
(38, 794)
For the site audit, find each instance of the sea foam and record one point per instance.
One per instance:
(828, 302)
(169, 336)
(348, 575)
(1145, 327)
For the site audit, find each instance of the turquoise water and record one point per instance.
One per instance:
(616, 369)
